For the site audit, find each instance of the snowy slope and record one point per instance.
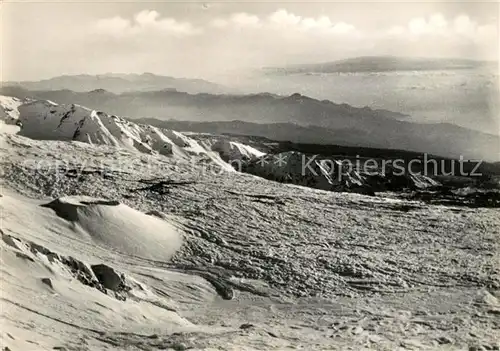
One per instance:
(68, 267)
(232, 150)
(46, 120)
(9, 114)
(262, 266)
(9, 108)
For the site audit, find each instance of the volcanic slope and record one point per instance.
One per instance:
(256, 265)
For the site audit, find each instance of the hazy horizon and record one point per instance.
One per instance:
(118, 73)
(41, 40)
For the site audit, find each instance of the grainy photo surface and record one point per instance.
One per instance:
(249, 175)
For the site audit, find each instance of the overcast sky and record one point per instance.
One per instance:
(196, 39)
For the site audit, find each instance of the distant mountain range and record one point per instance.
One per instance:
(119, 83)
(446, 140)
(382, 64)
(294, 118)
(261, 108)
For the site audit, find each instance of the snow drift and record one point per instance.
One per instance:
(63, 275)
(118, 227)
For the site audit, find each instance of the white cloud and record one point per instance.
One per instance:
(321, 25)
(396, 31)
(437, 25)
(245, 20)
(434, 24)
(342, 28)
(244, 38)
(436, 35)
(146, 20)
(284, 21)
(240, 19)
(464, 26)
(114, 25)
(418, 26)
(487, 31)
(219, 23)
(283, 18)
(322, 22)
(437, 21)
(146, 17)
(208, 41)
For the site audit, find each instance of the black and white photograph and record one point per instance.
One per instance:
(249, 175)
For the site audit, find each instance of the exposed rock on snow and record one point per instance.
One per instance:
(391, 179)
(35, 252)
(118, 226)
(474, 198)
(297, 168)
(289, 167)
(9, 112)
(232, 151)
(330, 174)
(47, 282)
(108, 277)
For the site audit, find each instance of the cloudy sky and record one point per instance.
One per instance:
(204, 39)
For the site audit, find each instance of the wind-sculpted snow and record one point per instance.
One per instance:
(263, 265)
(118, 227)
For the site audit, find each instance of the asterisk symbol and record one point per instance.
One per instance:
(263, 161)
(280, 159)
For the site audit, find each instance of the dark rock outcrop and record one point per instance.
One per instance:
(108, 277)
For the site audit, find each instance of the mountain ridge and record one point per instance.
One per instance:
(120, 82)
(313, 121)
